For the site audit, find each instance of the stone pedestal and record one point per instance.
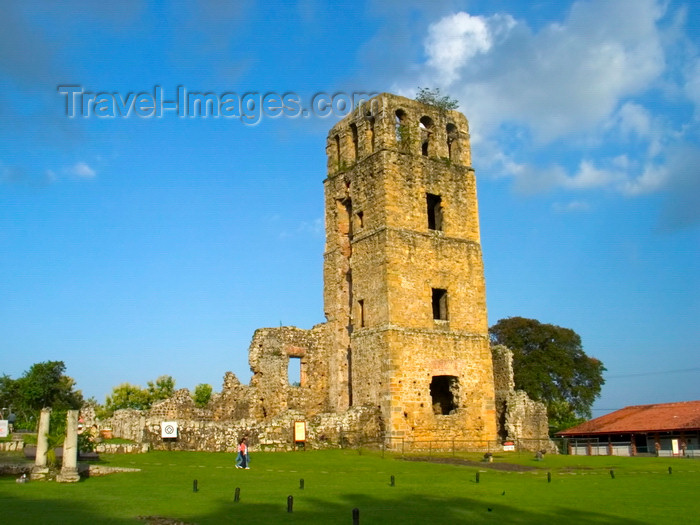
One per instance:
(40, 470)
(69, 470)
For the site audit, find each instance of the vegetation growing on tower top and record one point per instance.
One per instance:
(433, 97)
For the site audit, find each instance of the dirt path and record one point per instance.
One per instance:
(511, 467)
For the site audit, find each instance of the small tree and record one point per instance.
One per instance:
(127, 395)
(434, 98)
(163, 388)
(202, 395)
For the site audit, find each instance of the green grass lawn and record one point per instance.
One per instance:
(335, 481)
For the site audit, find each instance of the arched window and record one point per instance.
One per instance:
(425, 125)
(400, 122)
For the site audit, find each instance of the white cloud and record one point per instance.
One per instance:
(595, 101)
(82, 170)
(569, 77)
(571, 207)
(634, 119)
(692, 84)
(589, 176)
(651, 179)
(454, 40)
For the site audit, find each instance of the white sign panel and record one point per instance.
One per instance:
(4, 428)
(299, 431)
(168, 429)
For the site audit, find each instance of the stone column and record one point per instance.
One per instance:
(40, 469)
(69, 470)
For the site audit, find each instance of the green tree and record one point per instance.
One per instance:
(202, 395)
(43, 385)
(46, 385)
(127, 395)
(163, 388)
(550, 365)
(434, 98)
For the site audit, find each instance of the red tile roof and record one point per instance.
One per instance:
(642, 418)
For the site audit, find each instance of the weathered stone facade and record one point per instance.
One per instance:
(404, 352)
(520, 418)
(404, 284)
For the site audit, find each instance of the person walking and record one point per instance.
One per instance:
(242, 460)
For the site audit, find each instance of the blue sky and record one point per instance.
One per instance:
(132, 247)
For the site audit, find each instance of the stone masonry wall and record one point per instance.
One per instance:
(520, 418)
(402, 225)
(357, 425)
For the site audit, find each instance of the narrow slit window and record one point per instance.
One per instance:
(361, 312)
(439, 304)
(434, 212)
(370, 132)
(355, 142)
(337, 149)
(452, 135)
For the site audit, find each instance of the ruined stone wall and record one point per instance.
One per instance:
(270, 352)
(520, 418)
(355, 426)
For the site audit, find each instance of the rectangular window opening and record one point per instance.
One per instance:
(361, 304)
(294, 371)
(439, 304)
(444, 392)
(434, 211)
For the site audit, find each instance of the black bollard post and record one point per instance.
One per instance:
(194, 486)
(477, 477)
(290, 503)
(670, 470)
(612, 473)
(549, 477)
(301, 483)
(355, 516)
(393, 481)
(237, 495)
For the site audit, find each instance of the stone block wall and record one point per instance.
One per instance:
(520, 418)
(355, 426)
(402, 233)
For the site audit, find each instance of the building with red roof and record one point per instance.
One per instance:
(664, 429)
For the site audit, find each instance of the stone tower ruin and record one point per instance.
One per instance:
(403, 358)
(404, 289)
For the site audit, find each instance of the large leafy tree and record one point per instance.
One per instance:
(43, 385)
(550, 365)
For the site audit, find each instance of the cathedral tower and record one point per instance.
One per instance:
(404, 289)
